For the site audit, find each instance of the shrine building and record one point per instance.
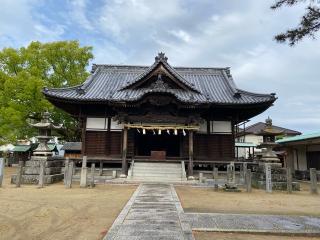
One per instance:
(159, 113)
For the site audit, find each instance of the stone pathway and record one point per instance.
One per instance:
(254, 223)
(153, 212)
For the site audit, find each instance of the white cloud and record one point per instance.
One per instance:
(180, 34)
(19, 24)
(78, 10)
(238, 34)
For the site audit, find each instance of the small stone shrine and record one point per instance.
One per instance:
(278, 178)
(42, 155)
(231, 185)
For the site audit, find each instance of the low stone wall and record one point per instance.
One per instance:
(278, 179)
(34, 179)
(30, 171)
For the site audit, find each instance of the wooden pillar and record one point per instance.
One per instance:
(124, 153)
(83, 136)
(93, 167)
(190, 166)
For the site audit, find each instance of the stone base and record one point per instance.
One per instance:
(231, 187)
(231, 190)
(191, 178)
(282, 186)
(52, 167)
(34, 179)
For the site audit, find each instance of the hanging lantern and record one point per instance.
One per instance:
(159, 132)
(175, 132)
(168, 131)
(184, 132)
(154, 133)
(144, 131)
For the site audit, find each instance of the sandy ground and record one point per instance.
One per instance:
(238, 236)
(58, 213)
(207, 200)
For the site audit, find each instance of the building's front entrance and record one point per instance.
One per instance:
(152, 141)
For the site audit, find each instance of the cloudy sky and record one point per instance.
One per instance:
(211, 33)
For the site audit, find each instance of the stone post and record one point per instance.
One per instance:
(241, 174)
(215, 173)
(19, 174)
(84, 169)
(245, 170)
(268, 178)
(215, 177)
(100, 168)
(66, 169)
(114, 174)
(41, 173)
(93, 167)
(233, 170)
(1, 170)
(313, 181)
(69, 175)
(230, 174)
(248, 180)
(289, 180)
(200, 177)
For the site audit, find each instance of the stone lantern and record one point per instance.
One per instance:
(43, 168)
(269, 134)
(270, 175)
(44, 127)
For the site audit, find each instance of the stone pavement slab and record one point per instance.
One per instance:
(254, 223)
(153, 212)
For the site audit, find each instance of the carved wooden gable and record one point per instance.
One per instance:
(160, 76)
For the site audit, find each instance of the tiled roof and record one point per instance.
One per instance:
(302, 137)
(259, 126)
(111, 83)
(72, 146)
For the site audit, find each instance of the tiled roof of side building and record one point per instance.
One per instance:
(257, 127)
(111, 83)
(299, 138)
(72, 146)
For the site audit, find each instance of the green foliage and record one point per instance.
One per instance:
(309, 24)
(23, 74)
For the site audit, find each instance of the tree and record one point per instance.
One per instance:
(23, 74)
(308, 26)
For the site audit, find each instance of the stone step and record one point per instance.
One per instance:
(156, 176)
(158, 179)
(151, 164)
(156, 172)
(137, 170)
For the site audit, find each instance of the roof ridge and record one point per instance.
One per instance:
(146, 66)
(257, 94)
(161, 59)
